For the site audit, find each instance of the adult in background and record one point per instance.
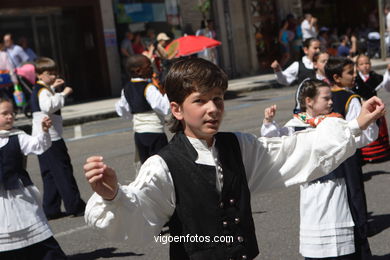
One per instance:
(23, 42)
(208, 31)
(309, 27)
(347, 48)
(7, 74)
(15, 52)
(127, 47)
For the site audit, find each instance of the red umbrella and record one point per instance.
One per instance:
(190, 44)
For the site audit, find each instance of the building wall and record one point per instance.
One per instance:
(112, 54)
(190, 15)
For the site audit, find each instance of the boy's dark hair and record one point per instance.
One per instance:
(191, 75)
(309, 88)
(335, 66)
(308, 42)
(43, 64)
(133, 63)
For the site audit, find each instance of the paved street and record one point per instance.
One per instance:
(276, 214)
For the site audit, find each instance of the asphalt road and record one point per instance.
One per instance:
(276, 214)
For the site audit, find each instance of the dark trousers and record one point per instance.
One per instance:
(48, 249)
(149, 144)
(58, 181)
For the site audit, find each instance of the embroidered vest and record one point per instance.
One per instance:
(135, 95)
(11, 168)
(201, 210)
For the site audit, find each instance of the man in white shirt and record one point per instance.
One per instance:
(15, 52)
(309, 27)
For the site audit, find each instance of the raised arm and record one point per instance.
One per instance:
(135, 212)
(36, 144)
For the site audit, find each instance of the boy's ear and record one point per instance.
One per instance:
(176, 110)
(336, 78)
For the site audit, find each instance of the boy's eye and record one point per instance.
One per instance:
(198, 100)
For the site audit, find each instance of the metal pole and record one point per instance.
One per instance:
(382, 29)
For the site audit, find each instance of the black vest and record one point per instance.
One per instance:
(34, 99)
(135, 95)
(352, 170)
(11, 168)
(303, 73)
(367, 89)
(201, 210)
(341, 100)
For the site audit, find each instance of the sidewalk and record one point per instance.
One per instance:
(102, 109)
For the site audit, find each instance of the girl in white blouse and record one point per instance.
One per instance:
(24, 231)
(138, 211)
(326, 223)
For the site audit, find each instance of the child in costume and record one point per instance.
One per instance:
(367, 83)
(326, 224)
(24, 231)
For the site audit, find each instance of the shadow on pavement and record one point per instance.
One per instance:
(368, 175)
(377, 223)
(101, 253)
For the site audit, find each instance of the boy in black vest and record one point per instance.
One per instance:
(341, 74)
(201, 182)
(146, 104)
(56, 168)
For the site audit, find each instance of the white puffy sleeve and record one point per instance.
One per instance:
(34, 144)
(306, 155)
(140, 209)
(50, 103)
(122, 108)
(273, 130)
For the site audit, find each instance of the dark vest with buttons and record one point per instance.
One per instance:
(34, 99)
(352, 171)
(135, 95)
(11, 168)
(201, 210)
(366, 89)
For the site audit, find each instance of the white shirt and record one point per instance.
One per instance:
(147, 122)
(49, 103)
(17, 55)
(308, 31)
(23, 220)
(326, 224)
(290, 74)
(141, 208)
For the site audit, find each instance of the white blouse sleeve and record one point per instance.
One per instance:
(156, 100)
(140, 209)
(385, 83)
(368, 135)
(287, 76)
(50, 103)
(34, 144)
(273, 130)
(283, 161)
(122, 107)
